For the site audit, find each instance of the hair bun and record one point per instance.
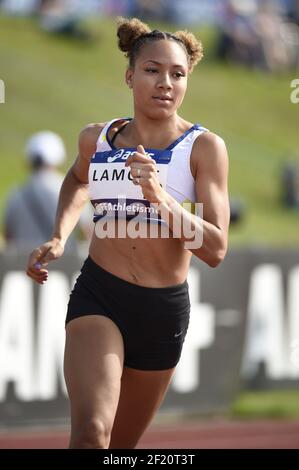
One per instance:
(128, 31)
(193, 46)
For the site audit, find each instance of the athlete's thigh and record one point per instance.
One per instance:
(93, 363)
(142, 393)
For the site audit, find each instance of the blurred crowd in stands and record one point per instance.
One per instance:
(262, 34)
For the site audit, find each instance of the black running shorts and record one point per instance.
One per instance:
(153, 321)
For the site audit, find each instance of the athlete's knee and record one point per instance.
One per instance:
(92, 434)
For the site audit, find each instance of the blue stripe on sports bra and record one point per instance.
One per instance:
(179, 139)
(170, 147)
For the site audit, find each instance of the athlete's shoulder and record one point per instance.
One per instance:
(91, 132)
(88, 137)
(209, 142)
(209, 139)
(209, 149)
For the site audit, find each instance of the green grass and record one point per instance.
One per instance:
(58, 84)
(282, 404)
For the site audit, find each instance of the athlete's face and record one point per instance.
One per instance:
(159, 78)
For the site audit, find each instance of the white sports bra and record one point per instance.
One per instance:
(111, 189)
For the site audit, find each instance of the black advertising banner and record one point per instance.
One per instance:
(243, 331)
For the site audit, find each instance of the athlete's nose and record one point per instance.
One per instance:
(165, 82)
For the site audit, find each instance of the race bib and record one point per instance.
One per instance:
(112, 191)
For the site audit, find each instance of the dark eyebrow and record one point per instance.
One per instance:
(159, 63)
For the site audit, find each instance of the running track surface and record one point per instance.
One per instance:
(206, 435)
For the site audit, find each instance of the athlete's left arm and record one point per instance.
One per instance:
(210, 233)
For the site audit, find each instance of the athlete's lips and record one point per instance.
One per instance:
(162, 98)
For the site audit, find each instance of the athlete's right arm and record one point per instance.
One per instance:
(72, 198)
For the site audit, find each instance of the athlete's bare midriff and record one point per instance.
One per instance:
(149, 262)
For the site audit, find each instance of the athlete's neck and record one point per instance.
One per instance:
(152, 133)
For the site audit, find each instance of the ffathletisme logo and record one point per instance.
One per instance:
(121, 220)
(2, 92)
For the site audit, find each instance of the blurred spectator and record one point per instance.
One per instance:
(295, 11)
(78, 7)
(63, 17)
(290, 185)
(291, 8)
(119, 7)
(237, 210)
(19, 7)
(278, 37)
(238, 40)
(30, 210)
(257, 34)
(153, 10)
(192, 12)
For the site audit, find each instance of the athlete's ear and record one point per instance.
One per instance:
(129, 77)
